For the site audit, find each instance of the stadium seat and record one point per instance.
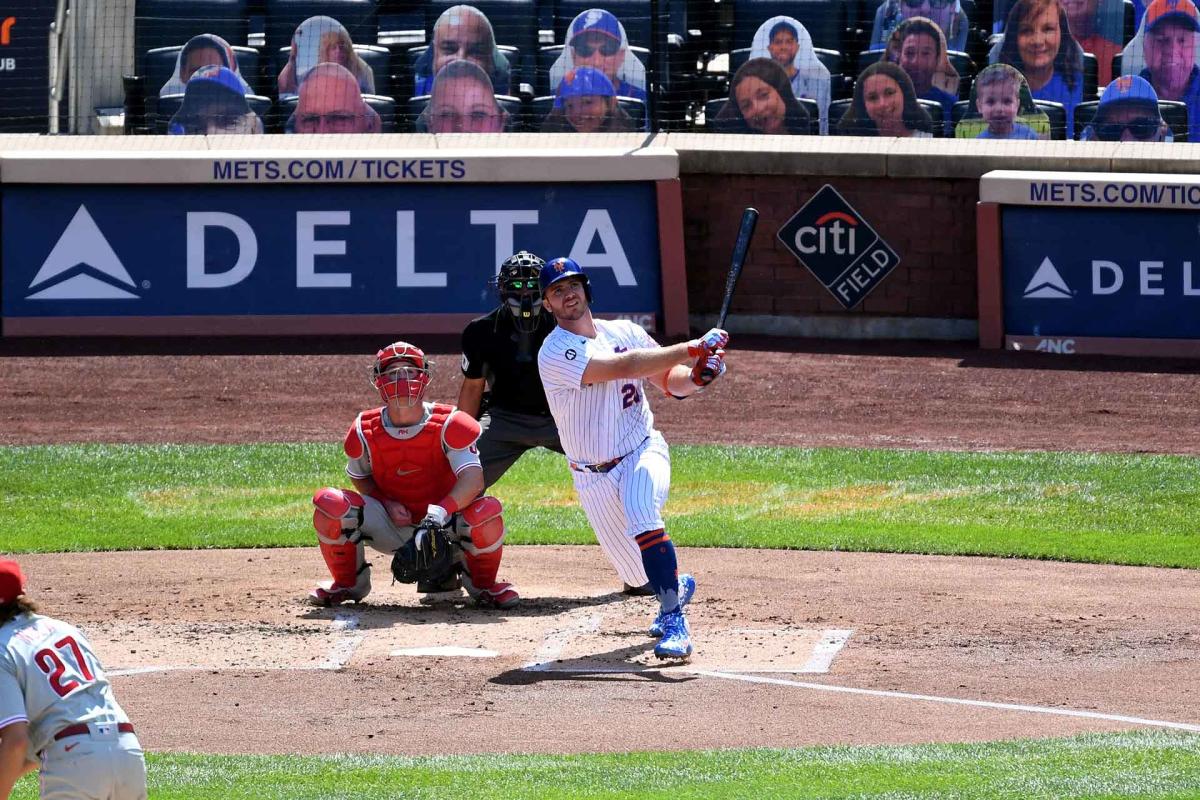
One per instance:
(837, 110)
(166, 23)
(359, 17)
(865, 59)
(711, 109)
(635, 108)
(518, 112)
(168, 105)
(377, 57)
(936, 113)
(1175, 114)
(959, 111)
(1057, 113)
(1090, 76)
(825, 20)
(965, 67)
(406, 116)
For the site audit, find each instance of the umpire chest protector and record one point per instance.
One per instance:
(413, 471)
(493, 349)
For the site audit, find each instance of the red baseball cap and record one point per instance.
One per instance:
(12, 581)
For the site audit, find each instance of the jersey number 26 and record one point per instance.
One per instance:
(51, 663)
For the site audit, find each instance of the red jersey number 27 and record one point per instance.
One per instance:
(51, 662)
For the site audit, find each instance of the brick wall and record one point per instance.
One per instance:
(929, 222)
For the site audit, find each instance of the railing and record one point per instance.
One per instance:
(60, 54)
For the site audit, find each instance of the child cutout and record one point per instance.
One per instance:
(1001, 107)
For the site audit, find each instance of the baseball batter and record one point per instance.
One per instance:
(57, 707)
(594, 373)
(502, 388)
(415, 469)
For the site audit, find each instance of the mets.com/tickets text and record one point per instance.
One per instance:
(339, 169)
(1114, 193)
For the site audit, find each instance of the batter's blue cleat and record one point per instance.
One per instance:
(687, 588)
(676, 642)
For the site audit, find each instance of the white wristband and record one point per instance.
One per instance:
(439, 515)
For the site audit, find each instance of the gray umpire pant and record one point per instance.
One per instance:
(507, 434)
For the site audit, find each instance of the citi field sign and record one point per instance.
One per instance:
(836, 245)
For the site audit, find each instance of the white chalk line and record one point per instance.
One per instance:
(1065, 712)
(557, 640)
(832, 641)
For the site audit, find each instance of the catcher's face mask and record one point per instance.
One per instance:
(401, 372)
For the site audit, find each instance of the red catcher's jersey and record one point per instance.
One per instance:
(412, 471)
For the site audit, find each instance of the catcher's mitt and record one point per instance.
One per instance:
(427, 556)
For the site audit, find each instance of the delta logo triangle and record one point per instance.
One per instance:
(1047, 284)
(82, 266)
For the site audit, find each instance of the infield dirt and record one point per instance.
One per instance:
(216, 653)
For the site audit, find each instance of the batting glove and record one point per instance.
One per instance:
(714, 340)
(708, 368)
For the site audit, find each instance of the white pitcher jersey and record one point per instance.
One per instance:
(51, 678)
(602, 421)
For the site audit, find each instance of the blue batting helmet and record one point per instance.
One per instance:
(559, 269)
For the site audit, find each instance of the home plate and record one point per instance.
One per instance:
(445, 651)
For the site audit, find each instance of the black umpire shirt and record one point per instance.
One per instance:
(493, 348)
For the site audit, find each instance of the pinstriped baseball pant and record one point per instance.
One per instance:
(626, 501)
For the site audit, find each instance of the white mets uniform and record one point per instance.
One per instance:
(51, 679)
(620, 464)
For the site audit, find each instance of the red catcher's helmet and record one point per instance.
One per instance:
(401, 371)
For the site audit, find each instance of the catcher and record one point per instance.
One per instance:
(417, 486)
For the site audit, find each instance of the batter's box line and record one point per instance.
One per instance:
(960, 701)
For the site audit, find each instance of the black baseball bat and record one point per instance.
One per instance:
(740, 249)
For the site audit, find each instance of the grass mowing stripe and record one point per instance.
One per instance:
(1122, 765)
(1120, 509)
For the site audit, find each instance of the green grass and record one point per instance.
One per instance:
(1121, 509)
(1126, 765)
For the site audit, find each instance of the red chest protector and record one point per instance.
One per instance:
(412, 471)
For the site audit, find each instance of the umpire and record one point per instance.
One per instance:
(501, 385)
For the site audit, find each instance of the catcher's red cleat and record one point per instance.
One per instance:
(334, 595)
(498, 595)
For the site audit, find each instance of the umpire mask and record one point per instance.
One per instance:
(517, 281)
